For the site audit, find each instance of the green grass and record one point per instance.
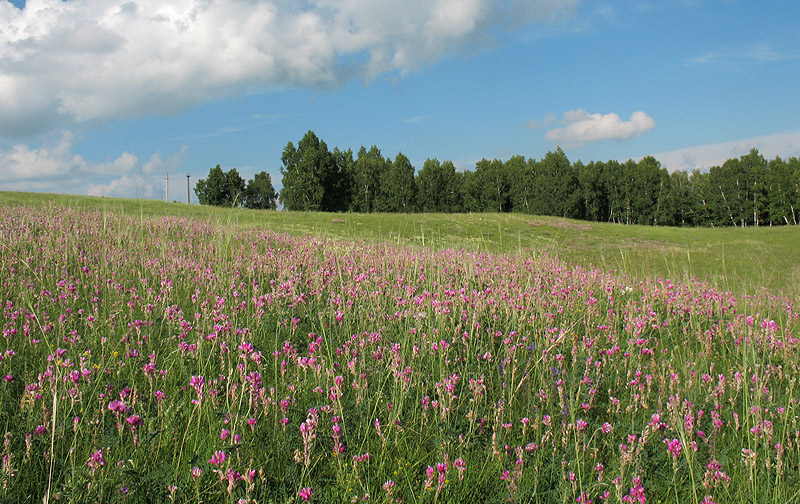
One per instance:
(743, 261)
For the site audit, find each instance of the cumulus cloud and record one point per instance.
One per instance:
(53, 167)
(157, 163)
(581, 127)
(125, 186)
(55, 159)
(63, 63)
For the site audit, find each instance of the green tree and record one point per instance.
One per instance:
(595, 202)
(473, 193)
(757, 204)
(782, 191)
(495, 187)
(220, 188)
(615, 187)
(399, 187)
(681, 199)
(522, 181)
(234, 187)
(368, 173)
(649, 192)
(558, 190)
(439, 188)
(259, 193)
(340, 183)
(707, 203)
(742, 188)
(211, 190)
(312, 179)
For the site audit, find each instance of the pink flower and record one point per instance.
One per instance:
(117, 406)
(461, 466)
(305, 493)
(198, 383)
(218, 458)
(430, 473)
(96, 461)
(134, 420)
(674, 448)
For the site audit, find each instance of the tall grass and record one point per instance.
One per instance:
(159, 359)
(743, 261)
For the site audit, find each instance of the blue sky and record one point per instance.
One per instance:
(106, 97)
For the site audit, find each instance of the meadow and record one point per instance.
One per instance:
(233, 356)
(740, 260)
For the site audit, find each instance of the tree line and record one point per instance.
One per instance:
(745, 191)
(228, 189)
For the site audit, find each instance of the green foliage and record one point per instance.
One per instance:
(260, 195)
(302, 186)
(312, 176)
(213, 190)
(228, 189)
(439, 188)
(491, 186)
(595, 199)
(369, 173)
(557, 185)
(745, 191)
(399, 189)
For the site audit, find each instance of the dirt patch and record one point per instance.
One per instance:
(651, 244)
(644, 244)
(338, 221)
(560, 223)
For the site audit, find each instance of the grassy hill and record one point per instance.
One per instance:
(151, 359)
(743, 261)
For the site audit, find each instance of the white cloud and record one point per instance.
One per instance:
(55, 159)
(123, 164)
(52, 159)
(703, 157)
(157, 163)
(125, 186)
(63, 63)
(582, 127)
(53, 167)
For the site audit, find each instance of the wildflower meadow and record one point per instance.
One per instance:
(148, 359)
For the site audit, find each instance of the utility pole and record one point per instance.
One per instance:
(166, 186)
(188, 194)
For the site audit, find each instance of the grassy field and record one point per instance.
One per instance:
(744, 261)
(146, 357)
